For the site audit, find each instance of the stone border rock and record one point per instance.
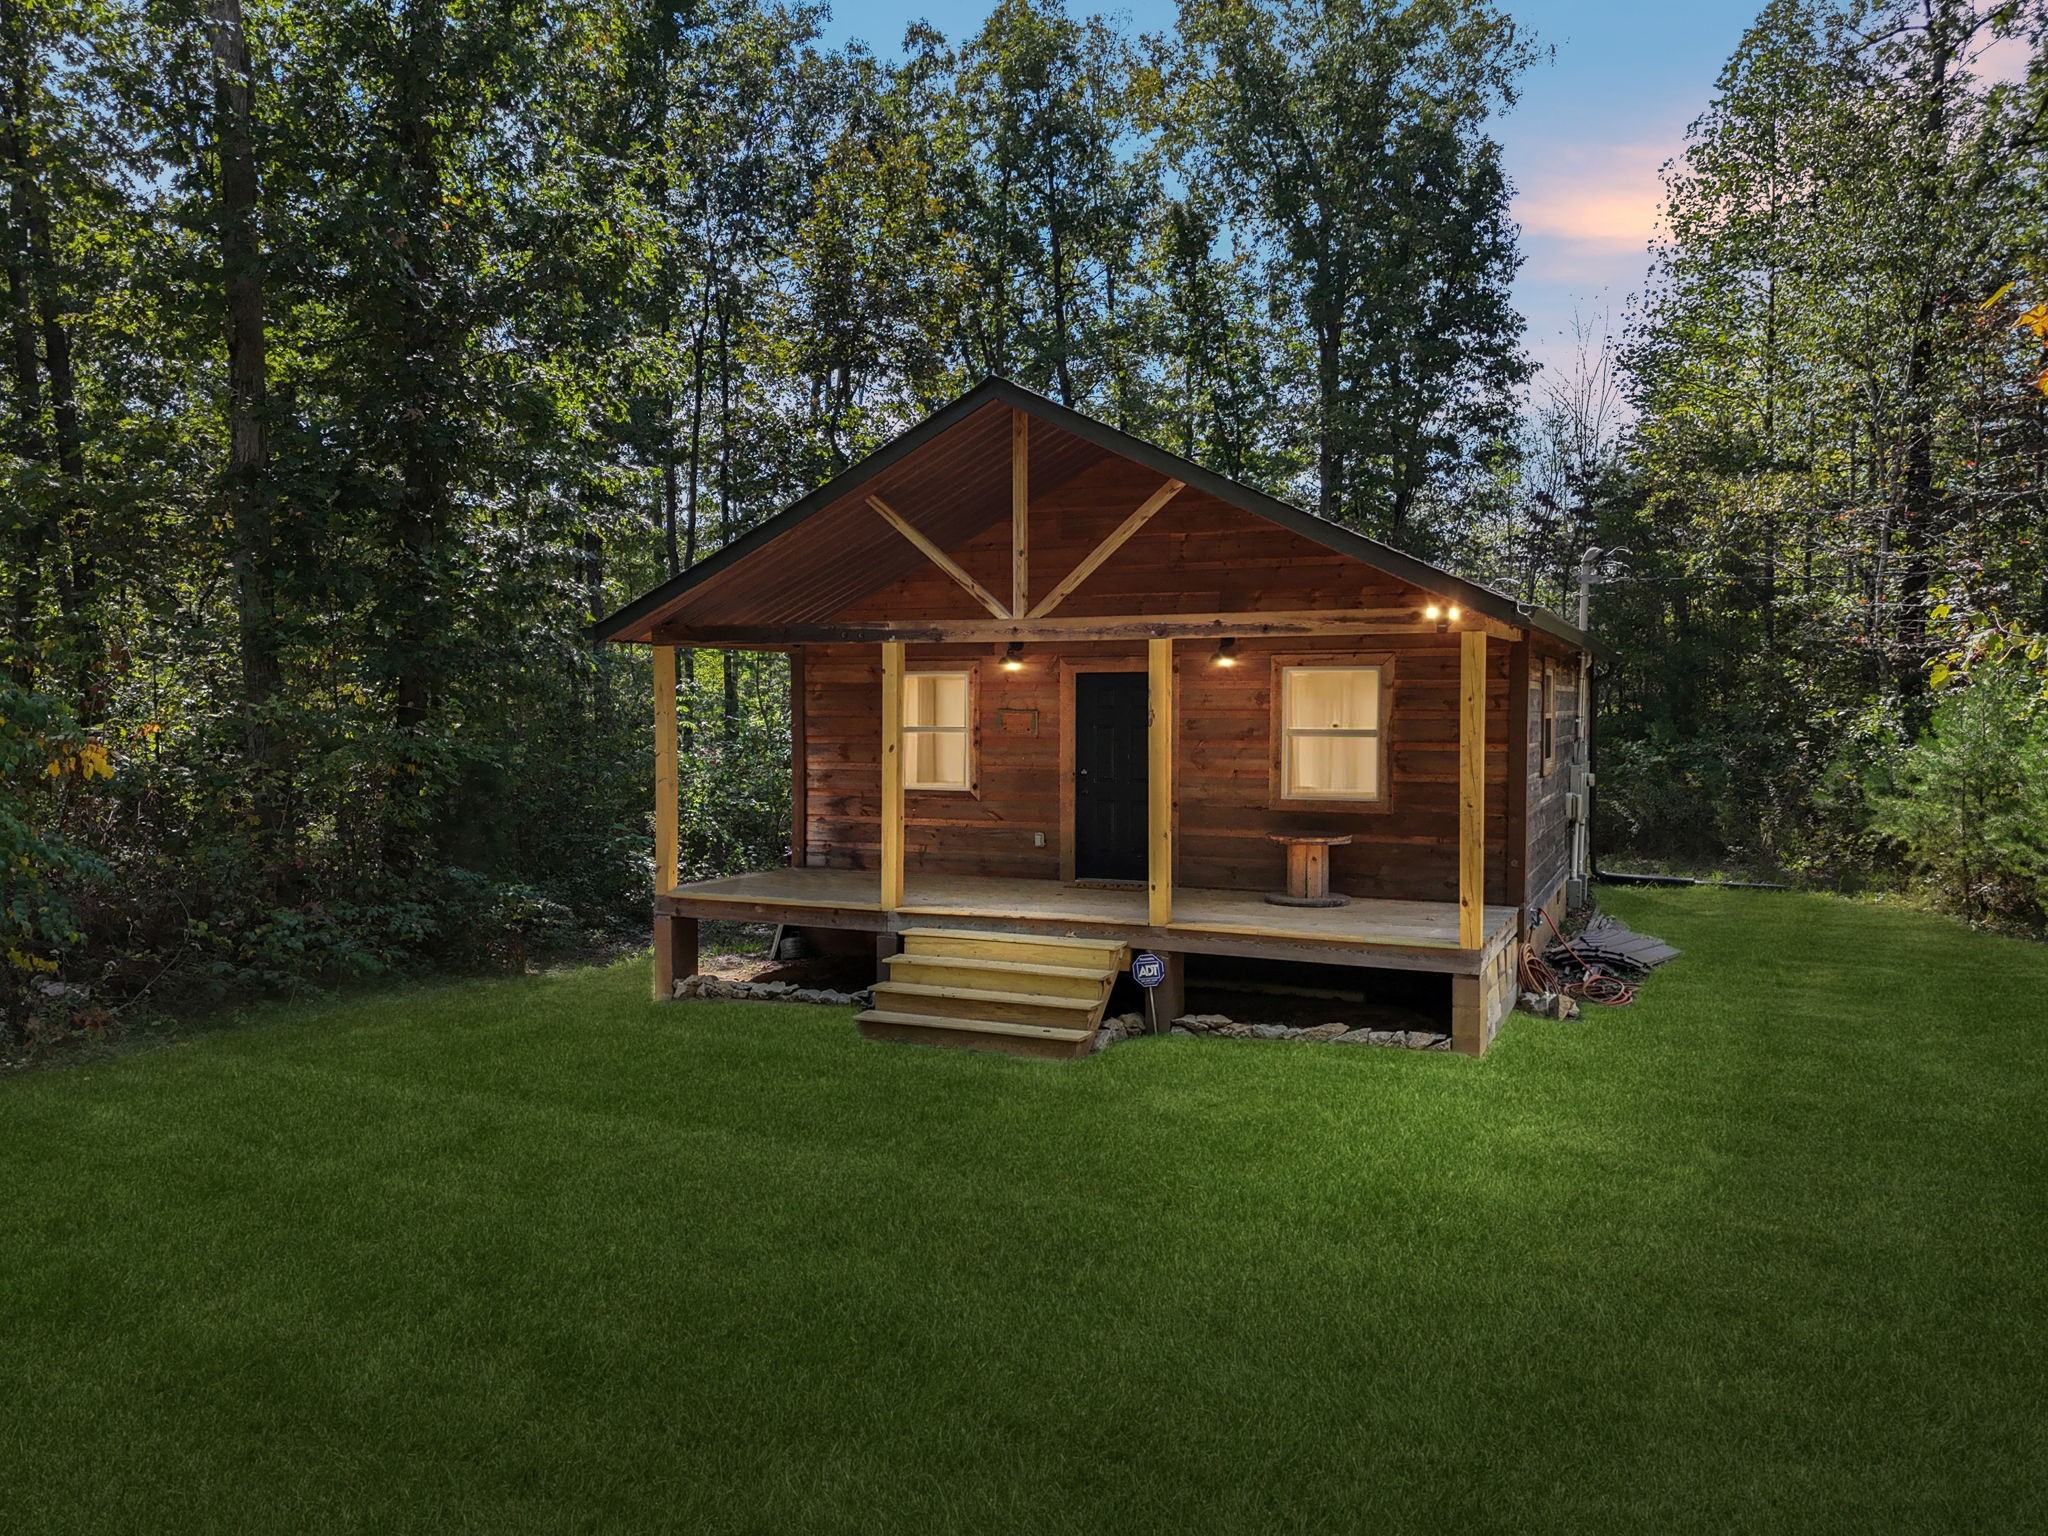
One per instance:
(718, 989)
(1221, 1027)
(1112, 1031)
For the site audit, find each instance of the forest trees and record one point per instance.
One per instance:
(1354, 135)
(1838, 430)
(359, 353)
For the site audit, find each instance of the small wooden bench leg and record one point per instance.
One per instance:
(675, 953)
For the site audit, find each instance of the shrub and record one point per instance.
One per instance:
(1971, 809)
(43, 755)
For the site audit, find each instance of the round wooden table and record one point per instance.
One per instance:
(1308, 869)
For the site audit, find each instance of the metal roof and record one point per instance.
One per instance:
(950, 476)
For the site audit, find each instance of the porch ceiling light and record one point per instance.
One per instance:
(1226, 653)
(1013, 658)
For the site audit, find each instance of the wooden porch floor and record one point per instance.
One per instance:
(1420, 935)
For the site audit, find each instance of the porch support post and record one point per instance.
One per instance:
(892, 775)
(1170, 997)
(1472, 790)
(665, 821)
(799, 766)
(675, 953)
(1159, 765)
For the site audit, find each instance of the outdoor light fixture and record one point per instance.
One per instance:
(1226, 653)
(1442, 617)
(1013, 658)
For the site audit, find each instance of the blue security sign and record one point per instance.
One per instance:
(1147, 969)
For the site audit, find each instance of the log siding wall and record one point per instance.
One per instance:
(1549, 831)
(1223, 763)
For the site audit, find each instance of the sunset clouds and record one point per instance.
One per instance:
(1603, 197)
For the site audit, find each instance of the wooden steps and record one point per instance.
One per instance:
(1028, 995)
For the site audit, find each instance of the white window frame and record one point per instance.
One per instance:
(1285, 732)
(965, 731)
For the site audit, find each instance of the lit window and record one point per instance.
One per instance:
(1330, 746)
(936, 716)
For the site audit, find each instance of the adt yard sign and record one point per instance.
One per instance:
(1148, 970)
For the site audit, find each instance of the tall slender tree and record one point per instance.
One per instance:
(1353, 137)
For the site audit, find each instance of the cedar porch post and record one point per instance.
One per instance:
(1472, 790)
(799, 766)
(668, 943)
(1159, 768)
(892, 775)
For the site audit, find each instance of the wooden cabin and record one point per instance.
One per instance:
(1059, 697)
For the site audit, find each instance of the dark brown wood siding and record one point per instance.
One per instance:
(1549, 831)
(1223, 766)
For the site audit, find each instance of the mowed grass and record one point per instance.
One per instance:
(1768, 1251)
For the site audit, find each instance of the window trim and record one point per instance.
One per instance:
(971, 731)
(1341, 805)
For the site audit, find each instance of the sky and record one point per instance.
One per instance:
(1583, 144)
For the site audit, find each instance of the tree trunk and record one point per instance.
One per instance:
(1062, 344)
(427, 340)
(1918, 503)
(669, 494)
(246, 484)
(30, 441)
(1330, 433)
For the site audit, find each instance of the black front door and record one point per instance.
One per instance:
(1109, 775)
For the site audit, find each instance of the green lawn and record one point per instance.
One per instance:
(1767, 1251)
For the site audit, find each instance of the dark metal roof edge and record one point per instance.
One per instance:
(1330, 535)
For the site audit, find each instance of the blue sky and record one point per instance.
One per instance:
(1583, 146)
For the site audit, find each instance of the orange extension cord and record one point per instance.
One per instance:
(1596, 986)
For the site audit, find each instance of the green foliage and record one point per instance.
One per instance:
(1836, 421)
(44, 758)
(346, 390)
(1351, 139)
(1972, 801)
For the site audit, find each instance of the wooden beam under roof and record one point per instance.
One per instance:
(1109, 546)
(938, 557)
